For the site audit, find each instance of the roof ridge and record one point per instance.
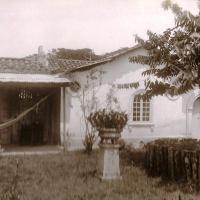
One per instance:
(76, 60)
(12, 58)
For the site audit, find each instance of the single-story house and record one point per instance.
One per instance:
(38, 103)
(162, 116)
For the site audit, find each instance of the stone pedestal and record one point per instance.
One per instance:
(109, 167)
(109, 162)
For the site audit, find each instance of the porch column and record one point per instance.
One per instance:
(63, 117)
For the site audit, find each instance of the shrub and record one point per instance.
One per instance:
(174, 159)
(122, 144)
(178, 144)
(133, 156)
(88, 142)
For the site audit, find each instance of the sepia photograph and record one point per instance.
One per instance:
(99, 100)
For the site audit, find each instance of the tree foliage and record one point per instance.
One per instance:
(173, 57)
(75, 54)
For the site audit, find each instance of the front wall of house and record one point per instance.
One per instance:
(167, 116)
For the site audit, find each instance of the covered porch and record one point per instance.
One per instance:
(31, 109)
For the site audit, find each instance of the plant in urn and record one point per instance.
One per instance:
(109, 125)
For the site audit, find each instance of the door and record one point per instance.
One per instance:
(32, 125)
(196, 118)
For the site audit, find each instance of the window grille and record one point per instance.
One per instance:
(141, 110)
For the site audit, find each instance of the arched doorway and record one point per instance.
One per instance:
(195, 126)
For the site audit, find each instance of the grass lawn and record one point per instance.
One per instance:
(73, 176)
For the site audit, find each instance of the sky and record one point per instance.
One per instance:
(102, 25)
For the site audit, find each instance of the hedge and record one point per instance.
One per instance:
(174, 159)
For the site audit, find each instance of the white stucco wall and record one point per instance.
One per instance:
(168, 116)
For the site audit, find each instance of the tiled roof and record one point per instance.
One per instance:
(33, 65)
(66, 65)
(109, 57)
(30, 65)
(21, 65)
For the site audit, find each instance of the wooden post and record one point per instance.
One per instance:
(157, 162)
(194, 165)
(177, 164)
(151, 159)
(187, 166)
(147, 160)
(198, 170)
(164, 163)
(170, 163)
(64, 119)
(183, 169)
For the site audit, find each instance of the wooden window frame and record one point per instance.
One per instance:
(141, 111)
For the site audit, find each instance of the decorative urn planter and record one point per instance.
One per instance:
(109, 167)
(109, 125)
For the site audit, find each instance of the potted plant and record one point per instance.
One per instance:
(109, 124)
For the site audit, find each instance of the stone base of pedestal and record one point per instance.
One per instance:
(109, 162)
(110, 178)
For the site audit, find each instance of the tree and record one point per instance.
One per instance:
(89, 103)
(75, 54)
(173, 58)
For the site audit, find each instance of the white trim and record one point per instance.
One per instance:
(189, 110)
(172, 98)
(150, 124)
(32, 78)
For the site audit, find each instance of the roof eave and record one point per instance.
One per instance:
(30, 84)
(109, 59)
(88, 67)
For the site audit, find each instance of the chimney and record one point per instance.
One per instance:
(42, 58)
(198, 2)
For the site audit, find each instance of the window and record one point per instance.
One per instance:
(141, 110)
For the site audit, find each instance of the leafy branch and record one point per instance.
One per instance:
(173, 57)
